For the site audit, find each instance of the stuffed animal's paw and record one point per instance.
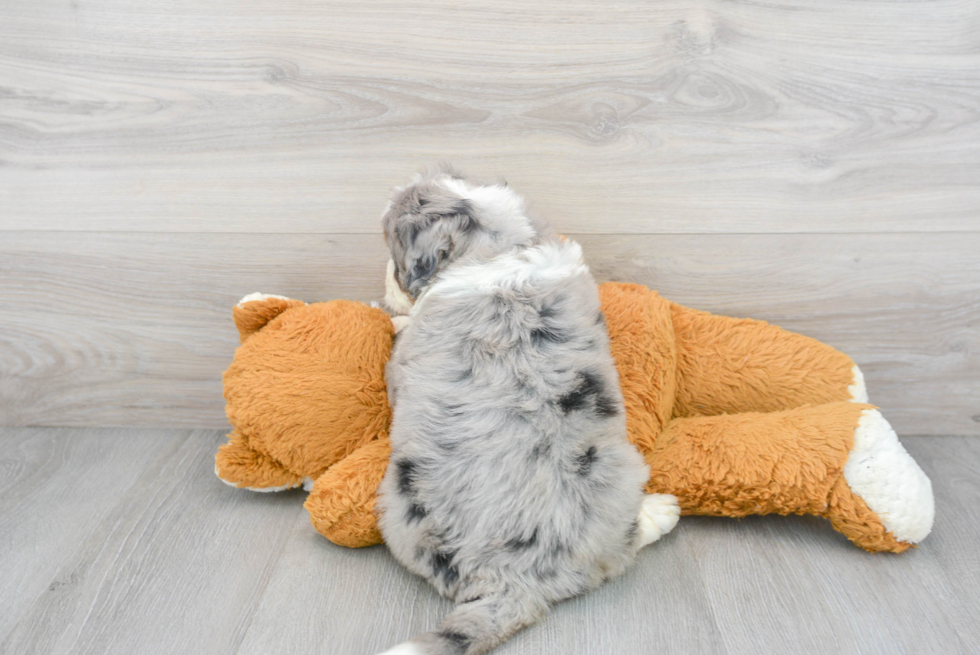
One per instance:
(857, 388)
(659, 514)
(888, 480)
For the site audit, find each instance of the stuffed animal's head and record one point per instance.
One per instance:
(306, 388)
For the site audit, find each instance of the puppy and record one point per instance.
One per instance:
(512, 484)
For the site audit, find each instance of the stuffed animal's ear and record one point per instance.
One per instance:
(255, 310)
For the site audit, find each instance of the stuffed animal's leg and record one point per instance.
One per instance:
(727, 365)
(341, 505)
(239, 465)
(840, 460)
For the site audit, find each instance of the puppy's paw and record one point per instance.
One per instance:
(400, 323)
(658, 516)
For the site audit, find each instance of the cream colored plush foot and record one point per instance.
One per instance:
(659, 514)
(859, 392)
(888, 480)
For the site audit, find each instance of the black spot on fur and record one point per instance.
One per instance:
(406, 476)
(590, 388)
(442, 565)
(458, 640)
(606, 406)
(416, 512)
(600, 319)
(523, 544)
(546, 334)
(547, 312)
(586, 459)
(589, 385)
(471, 600)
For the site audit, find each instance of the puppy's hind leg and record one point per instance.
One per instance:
(659, 514)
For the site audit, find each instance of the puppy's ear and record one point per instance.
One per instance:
(427, 227)
(421, 272)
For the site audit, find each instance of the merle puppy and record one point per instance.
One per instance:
(512, 484)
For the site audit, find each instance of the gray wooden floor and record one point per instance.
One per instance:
(123, 541)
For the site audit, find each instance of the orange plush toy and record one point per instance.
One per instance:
(734, 416)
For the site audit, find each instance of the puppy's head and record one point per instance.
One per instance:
(443, 217)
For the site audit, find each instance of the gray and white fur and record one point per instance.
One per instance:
(512, 484)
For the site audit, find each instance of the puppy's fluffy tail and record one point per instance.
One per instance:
(476, 626)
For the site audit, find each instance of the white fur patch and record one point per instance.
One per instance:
(262, 489)
(258, 296)
(400, 323)
(547, 262)
(885, 476)
(497, 205)
(404, 649)
(859, 392)
(397, 300)
(659, 514)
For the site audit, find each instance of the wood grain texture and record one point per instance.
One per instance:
(167, 559)
(135, 329)
(683, 116)
(58, 487)
(174, 562)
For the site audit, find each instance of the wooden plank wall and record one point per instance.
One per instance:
(812, 164)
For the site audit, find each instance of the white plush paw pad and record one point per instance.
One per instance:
(888, 480)
(400, 323)
(259, 489)
(259, 296)
(658, 516)
(407, 648)
(857, 389)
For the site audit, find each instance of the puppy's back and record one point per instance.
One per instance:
(511, 469)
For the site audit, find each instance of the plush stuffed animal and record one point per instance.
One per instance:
(734, 417)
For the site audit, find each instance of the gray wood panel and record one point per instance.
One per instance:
(684, 116)
(135, 329)
(58, 487)
(175, 561)
(164, 558)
